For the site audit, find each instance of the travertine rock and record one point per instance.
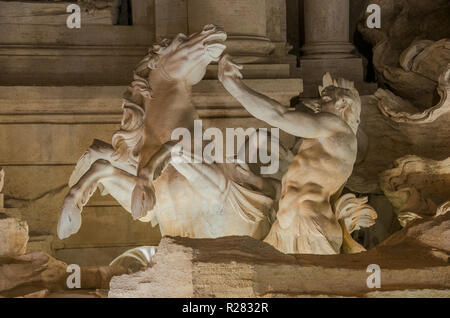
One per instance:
(402, 24)
(394, 128)
(28, 275)
(21, 275)
(39, 294)
(13, 236)
(432, 60)
(401, 111)
(400, 127)
(31, 273)
(432, 232)
(417, 185)
(415, 261)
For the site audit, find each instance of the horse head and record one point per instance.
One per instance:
(185, 58)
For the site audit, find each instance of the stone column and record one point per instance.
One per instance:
(237, 17)
(245, 21)
(327, 43)
(327, 29)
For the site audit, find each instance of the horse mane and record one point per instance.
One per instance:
(128, 141)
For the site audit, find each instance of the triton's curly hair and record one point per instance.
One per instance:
(352, 112)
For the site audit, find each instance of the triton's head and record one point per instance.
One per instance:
(338, 97)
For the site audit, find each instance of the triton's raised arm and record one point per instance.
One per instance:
(300, 124)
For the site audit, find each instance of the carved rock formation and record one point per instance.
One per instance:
(36, 274)
(31, 273)
(392, 49)
(13, 236)
(431, 233)
(426, 58)
(417, 185)
(413, 262)
(394, 128)
(401, 111)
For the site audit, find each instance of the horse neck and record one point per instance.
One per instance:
(170, 105)
(169, 108)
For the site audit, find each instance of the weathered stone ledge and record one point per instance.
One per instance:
(413, 263)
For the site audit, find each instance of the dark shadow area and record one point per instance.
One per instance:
(365, 50)
(125, 14)
(295, 29)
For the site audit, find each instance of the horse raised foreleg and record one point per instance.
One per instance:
(99, 150)
(102, 172)
(142, 196)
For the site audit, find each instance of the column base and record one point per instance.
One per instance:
(249, 49)
(351, 68)
(313, 70)
(328, 50)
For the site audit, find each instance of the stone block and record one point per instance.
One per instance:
(53, 13)
(13, 236)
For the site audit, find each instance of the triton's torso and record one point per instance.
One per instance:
(327, 162)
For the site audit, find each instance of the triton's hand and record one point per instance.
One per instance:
(228, 69)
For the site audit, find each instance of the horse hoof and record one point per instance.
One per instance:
(70, 219)
(143, 200)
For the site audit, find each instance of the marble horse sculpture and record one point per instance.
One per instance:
(210, 200)
(138, 170)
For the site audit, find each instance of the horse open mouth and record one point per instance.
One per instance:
(215, 46)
